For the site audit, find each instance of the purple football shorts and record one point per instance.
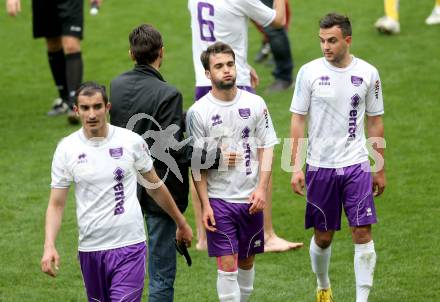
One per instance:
(329, 190)
(237, 230)
(116, 274)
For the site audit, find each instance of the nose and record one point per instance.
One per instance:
(92, 114)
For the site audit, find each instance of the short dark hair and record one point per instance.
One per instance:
(145, 44)
(218, 47)
(90, 89)
(335, 19)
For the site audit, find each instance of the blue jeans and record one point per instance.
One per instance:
(161, 257)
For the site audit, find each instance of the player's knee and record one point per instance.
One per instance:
(54, 44)
(246, 264)
(71, 45)
(323, 241)
(227, 263)
(362, 234)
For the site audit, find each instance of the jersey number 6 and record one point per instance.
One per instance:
(203, 23)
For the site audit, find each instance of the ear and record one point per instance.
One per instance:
(76, 109)
(161, 51)
(348, 40)
(108, 107)
(131, 55)
(208, 74)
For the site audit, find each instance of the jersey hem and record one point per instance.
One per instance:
(124, 244)
(336, 166)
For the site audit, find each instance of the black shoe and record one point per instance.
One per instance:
(279, 85)
(263, 53)
(72, 117)
(59, 107)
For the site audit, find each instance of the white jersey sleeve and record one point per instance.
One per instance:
(61, 176)
(142, 158)
(374, 99)
(265, 132)
(254, 9)
(302, 94)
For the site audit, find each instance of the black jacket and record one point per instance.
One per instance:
(143, 90)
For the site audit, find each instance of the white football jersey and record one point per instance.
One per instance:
(336, 101)
(225, 21)
(104, 172)
(242, 125)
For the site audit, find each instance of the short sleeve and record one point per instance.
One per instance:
(194, 126)
(265, 131)
(142, 157)
(255, 10)
(302, 94)
(61, 175)
(374, 100)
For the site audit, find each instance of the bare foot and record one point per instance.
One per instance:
(276, 244)
(201, 245)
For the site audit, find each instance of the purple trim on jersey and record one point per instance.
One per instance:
(330, 190)
(201, 91)
(116, 274)
(237, 230)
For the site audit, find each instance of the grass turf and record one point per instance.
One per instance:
(405, 238)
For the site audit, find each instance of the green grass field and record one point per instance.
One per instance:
(406, 237)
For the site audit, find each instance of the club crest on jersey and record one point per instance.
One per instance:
(245, 113)
(324, 80)
(356, 81)
(216, 120)
(116, 153)
(82, 158)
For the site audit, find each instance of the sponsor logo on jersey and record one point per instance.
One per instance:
(266, 118)
(216, 120)
(245, 113)
(324, 80)
(356, 81)
(352, 119)
(247, 149)
(116, 152)
(376, 89)
(119, 191)
(82, 158)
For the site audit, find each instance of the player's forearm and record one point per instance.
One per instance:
(54, 215)
(265, 157)
(280, 18)
(297, 135)
(376, 131)
(164, 199)
(202, 188)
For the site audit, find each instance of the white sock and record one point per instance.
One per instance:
(246, 283)
(227, 286)
(364, 264)
(320, 259)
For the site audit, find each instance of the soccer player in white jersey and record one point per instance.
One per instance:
(103, 162)
(389, 24)
(227, 21)
(332, 95)
(233, 199)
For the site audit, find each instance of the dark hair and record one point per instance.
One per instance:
(333, 19)
(218, 47)
(90, 89)
(145, 44)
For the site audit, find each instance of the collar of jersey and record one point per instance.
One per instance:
(216, 101)
(337, 69)
(98, 141)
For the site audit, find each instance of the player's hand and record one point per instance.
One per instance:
(50, 262)
(298, 182)
(379, 183)
(208, 218)
(13, 7)
(231, 158)
(255, 80)
(98, 2)
(184, 234)
(257, 200)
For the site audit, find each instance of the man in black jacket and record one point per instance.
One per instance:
(145, 103)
